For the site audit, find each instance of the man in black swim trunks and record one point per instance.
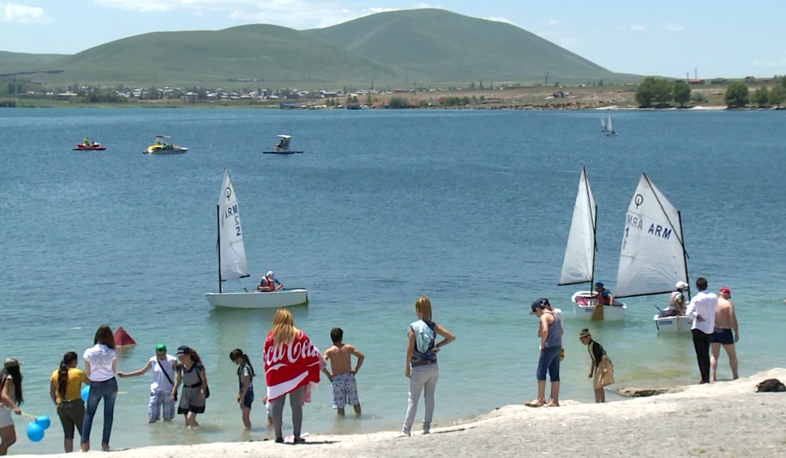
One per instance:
(725, 321)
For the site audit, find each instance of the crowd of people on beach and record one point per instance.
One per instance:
(292, 366)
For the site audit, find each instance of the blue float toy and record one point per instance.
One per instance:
(43, 421)
(35, 432)
(85, 392)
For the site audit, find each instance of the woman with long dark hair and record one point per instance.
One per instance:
(195, 390)
(10, 400)
(245, 381)
(100, 366)
(65, 389)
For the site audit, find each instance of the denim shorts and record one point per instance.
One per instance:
(549, 362)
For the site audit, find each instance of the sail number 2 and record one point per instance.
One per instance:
(232, 213)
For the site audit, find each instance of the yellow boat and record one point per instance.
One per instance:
(162, 146)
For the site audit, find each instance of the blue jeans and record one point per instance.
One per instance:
(107, 391)
(549, 361)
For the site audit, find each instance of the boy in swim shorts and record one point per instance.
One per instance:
(341, 375)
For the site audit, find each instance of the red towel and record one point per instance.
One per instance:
(290, 366)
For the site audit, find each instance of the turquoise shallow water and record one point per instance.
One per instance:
(471, 208)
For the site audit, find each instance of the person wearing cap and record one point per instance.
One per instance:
(10, 399)
(550, 332)
(164, 368)
(702, 309)
(601, 369)
(725, 322)
(269, 282)
(604, 296)
(676, 301)
(191, 373)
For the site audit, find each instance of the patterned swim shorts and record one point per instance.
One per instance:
(345, 390)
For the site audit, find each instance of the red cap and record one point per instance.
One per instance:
(726, 290)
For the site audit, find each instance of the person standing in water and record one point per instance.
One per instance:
(726, 333)
(245, 380)
(601, 369)
(100, 367)
(550, 332)
(341, 374)
(702, 309)
(65, 389)
(191, 373)
(164, 368)
(10, 400)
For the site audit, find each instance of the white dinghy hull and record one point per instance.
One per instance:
(584, 305)
(673, 324)
(259, 300)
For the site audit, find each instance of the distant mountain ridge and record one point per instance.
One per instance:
(424, 46)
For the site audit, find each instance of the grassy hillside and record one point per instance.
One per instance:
(444, 46)
(11, 62)
(211, 57)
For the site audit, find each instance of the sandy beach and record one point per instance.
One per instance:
(726, 419)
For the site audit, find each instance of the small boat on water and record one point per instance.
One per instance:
(603, 124)
(92, 146)
(579, 262)
(162, 146)
(282, 147)
(232, 264)
(653, 257)
(610, 129)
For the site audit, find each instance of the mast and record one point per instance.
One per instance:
(594, 246)
(218, 245)
(684, 253)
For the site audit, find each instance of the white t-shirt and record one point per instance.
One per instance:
(160, 382)
(100, 358)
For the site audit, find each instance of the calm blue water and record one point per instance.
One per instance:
(471, 208)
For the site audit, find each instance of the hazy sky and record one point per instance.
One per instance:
(669, 37)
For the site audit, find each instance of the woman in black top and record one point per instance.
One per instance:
(601, 369)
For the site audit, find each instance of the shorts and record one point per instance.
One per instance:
(345, 390)
(248, 399)
(549, 362)
(5, 417)
(722, 336)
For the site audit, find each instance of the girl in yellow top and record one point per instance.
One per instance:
(65, 389)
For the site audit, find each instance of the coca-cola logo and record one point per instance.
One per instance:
(281, 354)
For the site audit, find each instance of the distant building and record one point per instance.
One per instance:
(718, 81)
(696, 82)
(66, 95)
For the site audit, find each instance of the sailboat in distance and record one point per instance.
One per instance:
(610, 129)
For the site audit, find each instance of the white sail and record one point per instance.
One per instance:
(602, 124)
(652, 257)
(608, 125)
(230, 234)
(579, 261)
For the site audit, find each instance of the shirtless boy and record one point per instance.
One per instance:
(725, 322)
(342, 376)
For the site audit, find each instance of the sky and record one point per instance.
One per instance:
(666, 38)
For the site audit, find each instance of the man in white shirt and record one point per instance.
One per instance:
(702, 309)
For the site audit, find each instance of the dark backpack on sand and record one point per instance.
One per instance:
(771, 384)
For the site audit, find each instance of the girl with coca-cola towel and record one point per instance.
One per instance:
(292, 365)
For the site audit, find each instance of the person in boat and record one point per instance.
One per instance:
(676, 301)
(269, 283)
(601, 369)
(603, 295)
(86, 141)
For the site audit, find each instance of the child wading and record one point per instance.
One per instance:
(601, 369)
(245, 381)
(341, 374)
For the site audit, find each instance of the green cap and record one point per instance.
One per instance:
(160, 347)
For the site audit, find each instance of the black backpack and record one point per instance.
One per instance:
(771, 384)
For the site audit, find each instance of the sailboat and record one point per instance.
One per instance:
(610, 129)
(602, 124)
(232, 264)
(652, 256)
(579, 263)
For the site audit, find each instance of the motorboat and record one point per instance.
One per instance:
(89, 146)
